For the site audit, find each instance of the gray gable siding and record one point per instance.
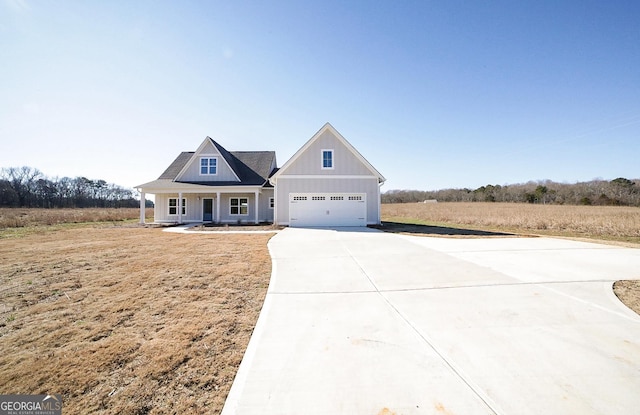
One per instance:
(253, 168)
(345, 163)
(192, 173)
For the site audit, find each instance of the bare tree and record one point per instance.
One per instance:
(28, 187)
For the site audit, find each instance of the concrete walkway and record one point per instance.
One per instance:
(187, 229)
(358, 321)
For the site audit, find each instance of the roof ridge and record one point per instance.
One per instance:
(230, 158)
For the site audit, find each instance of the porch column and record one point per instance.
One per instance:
(379, 204)
(180, 207)
(217, 207)
(257, 205)
(142, 207)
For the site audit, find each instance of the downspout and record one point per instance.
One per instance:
(275, 201)
(257, 206)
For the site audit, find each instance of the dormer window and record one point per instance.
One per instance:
(327, 159)
(208, 166)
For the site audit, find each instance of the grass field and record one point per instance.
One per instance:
(120, 318)
(610, 223)
(128, 320)
(22, 217)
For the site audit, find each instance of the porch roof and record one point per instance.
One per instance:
(166, 186)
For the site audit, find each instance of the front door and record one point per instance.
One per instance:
(207, 210)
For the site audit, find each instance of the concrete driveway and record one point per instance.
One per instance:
(358, 321)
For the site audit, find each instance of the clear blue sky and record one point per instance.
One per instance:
(435, 94)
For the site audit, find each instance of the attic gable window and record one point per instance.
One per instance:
(327, 159)
(208, 166)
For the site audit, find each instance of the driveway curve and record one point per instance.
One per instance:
(358, 321)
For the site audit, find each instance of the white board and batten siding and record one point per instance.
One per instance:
(345, 161)
(346, 193)
(363, 209)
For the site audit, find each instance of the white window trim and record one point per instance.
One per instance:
(184, 206)
(208, 166)
(239, 206)
(272, 202)
(333, 161)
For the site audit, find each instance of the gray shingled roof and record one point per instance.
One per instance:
(251, 167)
(177, 165)
(254, 164)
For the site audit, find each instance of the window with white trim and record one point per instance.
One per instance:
(173, 206)
(239, 206)
(272, 202)
(208, 166)
(327, 159)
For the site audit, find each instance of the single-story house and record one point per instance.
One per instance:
(325, 183)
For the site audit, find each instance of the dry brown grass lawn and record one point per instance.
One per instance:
(23, 217)
(611, 223)
(128, 320)
(629, 293)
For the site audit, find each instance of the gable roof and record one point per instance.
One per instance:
(176, 166)
(332, 130)
(254, 165)
(226, 158)
(250, 167)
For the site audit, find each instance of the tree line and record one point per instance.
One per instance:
(617, 192)
(29, 188)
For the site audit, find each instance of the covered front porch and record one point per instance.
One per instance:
(228, 205)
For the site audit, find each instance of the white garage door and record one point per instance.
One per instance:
(327, 209)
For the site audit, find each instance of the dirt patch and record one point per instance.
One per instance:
(129, 320)
(629, 293)
(439, 231)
